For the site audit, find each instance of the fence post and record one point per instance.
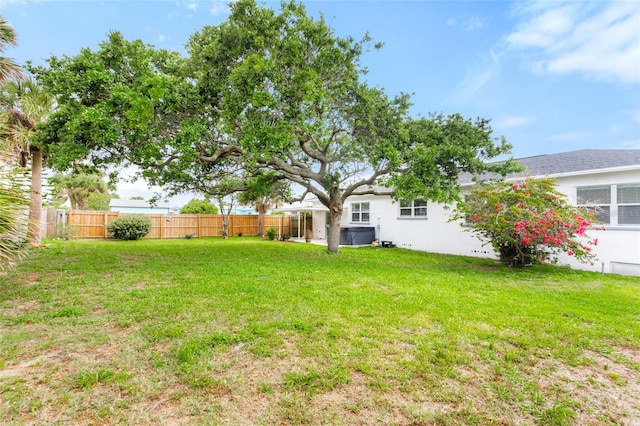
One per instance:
(199, 226)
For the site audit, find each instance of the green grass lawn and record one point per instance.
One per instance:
(243, 331)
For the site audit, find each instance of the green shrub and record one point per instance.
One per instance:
(271, 233)
(528, 221)
(130, 227)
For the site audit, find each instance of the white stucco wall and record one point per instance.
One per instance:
(618, 248)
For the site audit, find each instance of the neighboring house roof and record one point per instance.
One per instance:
(117, 202)
(573, 162)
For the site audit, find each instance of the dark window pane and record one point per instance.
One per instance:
(365, 217)
(405, 212)
(355, 217)
(421, 211)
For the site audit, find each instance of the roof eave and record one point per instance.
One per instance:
(570, 174)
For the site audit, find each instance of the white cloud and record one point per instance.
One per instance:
(192, 6)
(219, 7)
(599, 39)
(5, 3)
(451, 22)
(511, 121)
(472, 24)
(162, 37)
(476, 78)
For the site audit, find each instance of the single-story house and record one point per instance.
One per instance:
(609, 179)
(138, 206)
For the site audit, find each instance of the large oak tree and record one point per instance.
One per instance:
(273, 91)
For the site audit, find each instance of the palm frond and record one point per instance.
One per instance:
(14, 207)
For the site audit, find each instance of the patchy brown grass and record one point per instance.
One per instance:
(177, 348)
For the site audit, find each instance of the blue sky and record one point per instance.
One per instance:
(553, 76)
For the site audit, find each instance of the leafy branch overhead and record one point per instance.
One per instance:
(264, 92)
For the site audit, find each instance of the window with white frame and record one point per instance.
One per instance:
(414, 208)
(628, 200)
(613, 204)
(596, 199)
(360, 212)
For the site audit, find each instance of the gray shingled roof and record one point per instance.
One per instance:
(574, 161)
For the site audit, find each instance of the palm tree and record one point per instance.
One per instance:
(263, 193)
(23, 104)
(8, 68)
(80, 185)
(12, 201)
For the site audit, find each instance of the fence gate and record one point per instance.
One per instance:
(56, 223)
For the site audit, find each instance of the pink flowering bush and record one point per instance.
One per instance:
(528, 222)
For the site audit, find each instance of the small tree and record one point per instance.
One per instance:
(84, 186)
(196, 206)
(264, 191)
(528, 221)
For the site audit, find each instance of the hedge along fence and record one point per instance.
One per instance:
(93, 224)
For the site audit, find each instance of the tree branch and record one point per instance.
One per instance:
(369, 181)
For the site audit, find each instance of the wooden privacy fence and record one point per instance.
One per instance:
(93, 224)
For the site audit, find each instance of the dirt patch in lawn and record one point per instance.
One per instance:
(604, 390)
(21, 308)
(251, 389)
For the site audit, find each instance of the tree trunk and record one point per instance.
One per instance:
(225, 217)
(35, 199)
(262, 210)
(335, 218)
(225, 226)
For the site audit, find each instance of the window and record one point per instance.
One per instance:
(415, 208)
(628, 204)
(360, 212)
(598, 200)
(613, 204)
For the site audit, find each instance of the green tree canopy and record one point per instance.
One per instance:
(196, 206)
(265, 90)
